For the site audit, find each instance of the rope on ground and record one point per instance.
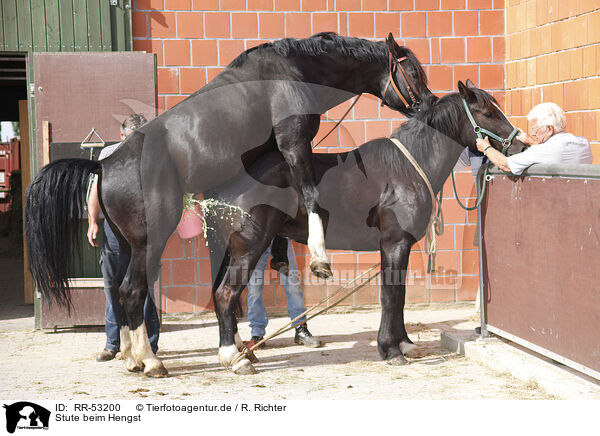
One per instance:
(287, 327)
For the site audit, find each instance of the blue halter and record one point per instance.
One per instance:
(480, 131)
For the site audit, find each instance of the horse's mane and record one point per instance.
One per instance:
(319, 44)
(438, 118)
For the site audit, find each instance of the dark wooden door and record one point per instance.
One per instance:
(75, 92)
(541, 251)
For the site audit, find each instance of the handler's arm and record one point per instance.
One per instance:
(492, 154)
(93, 212)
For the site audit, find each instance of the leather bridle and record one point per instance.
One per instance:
(396, 64)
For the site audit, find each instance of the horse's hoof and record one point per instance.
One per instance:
(154, 368)
(158, 372)
(398, 360)
(321, 269)
(133, 366)
(244, 367)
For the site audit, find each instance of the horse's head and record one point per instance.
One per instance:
(487, 119)
(405, 85)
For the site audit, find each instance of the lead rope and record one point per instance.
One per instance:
(481, 194)
(435, 227)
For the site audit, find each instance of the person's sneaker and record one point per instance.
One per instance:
(304, 337)
(105, 355)
(254, 340)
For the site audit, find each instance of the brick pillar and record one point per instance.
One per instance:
(553, 54)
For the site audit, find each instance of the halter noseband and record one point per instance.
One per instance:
(408, 83)
(479, 131)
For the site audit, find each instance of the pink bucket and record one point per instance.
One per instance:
(191, 224)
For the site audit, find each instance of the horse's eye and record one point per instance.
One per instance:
(487, 114)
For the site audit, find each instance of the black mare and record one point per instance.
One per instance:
(374, 198)
(269, 98)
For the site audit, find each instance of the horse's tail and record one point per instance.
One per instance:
(53, 216)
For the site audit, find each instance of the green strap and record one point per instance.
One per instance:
(480, 131)
(481, 195)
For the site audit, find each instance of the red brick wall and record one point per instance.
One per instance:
(454, 39)
(554, 55)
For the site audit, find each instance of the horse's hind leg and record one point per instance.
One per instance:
(134, 290)
(219, 260)
(244, 254)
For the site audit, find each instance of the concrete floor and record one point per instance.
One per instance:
(13, 310)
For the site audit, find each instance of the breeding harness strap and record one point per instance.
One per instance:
(435, 226)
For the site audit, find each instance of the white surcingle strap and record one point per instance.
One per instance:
(435, 227)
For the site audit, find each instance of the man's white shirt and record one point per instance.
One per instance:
(108, 150)
(563, 148)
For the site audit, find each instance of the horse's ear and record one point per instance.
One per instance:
(470, 84)
(465, 92)
(392, 45)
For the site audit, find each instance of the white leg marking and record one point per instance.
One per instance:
(140, 347)
(406, 347)
(316, 239)
(244, 366)
(126, 352)
(238, 341)
(227, 354)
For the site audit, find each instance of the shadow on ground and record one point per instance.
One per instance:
(362, 348)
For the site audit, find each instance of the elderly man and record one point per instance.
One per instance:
(549, 144)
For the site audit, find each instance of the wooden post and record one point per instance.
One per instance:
(25, 181)
(45, 143)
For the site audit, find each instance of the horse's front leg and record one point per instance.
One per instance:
(392, 340)
(293, 136)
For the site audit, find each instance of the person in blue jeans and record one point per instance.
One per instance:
(257, 314)
(113, 264)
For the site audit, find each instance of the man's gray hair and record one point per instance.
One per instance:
(548, 114)
(132, 123)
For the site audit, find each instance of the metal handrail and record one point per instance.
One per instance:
(590, 171)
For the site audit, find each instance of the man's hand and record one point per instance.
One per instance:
(92, 234)
(482, 144)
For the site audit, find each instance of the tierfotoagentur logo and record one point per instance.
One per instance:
(26, 415)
